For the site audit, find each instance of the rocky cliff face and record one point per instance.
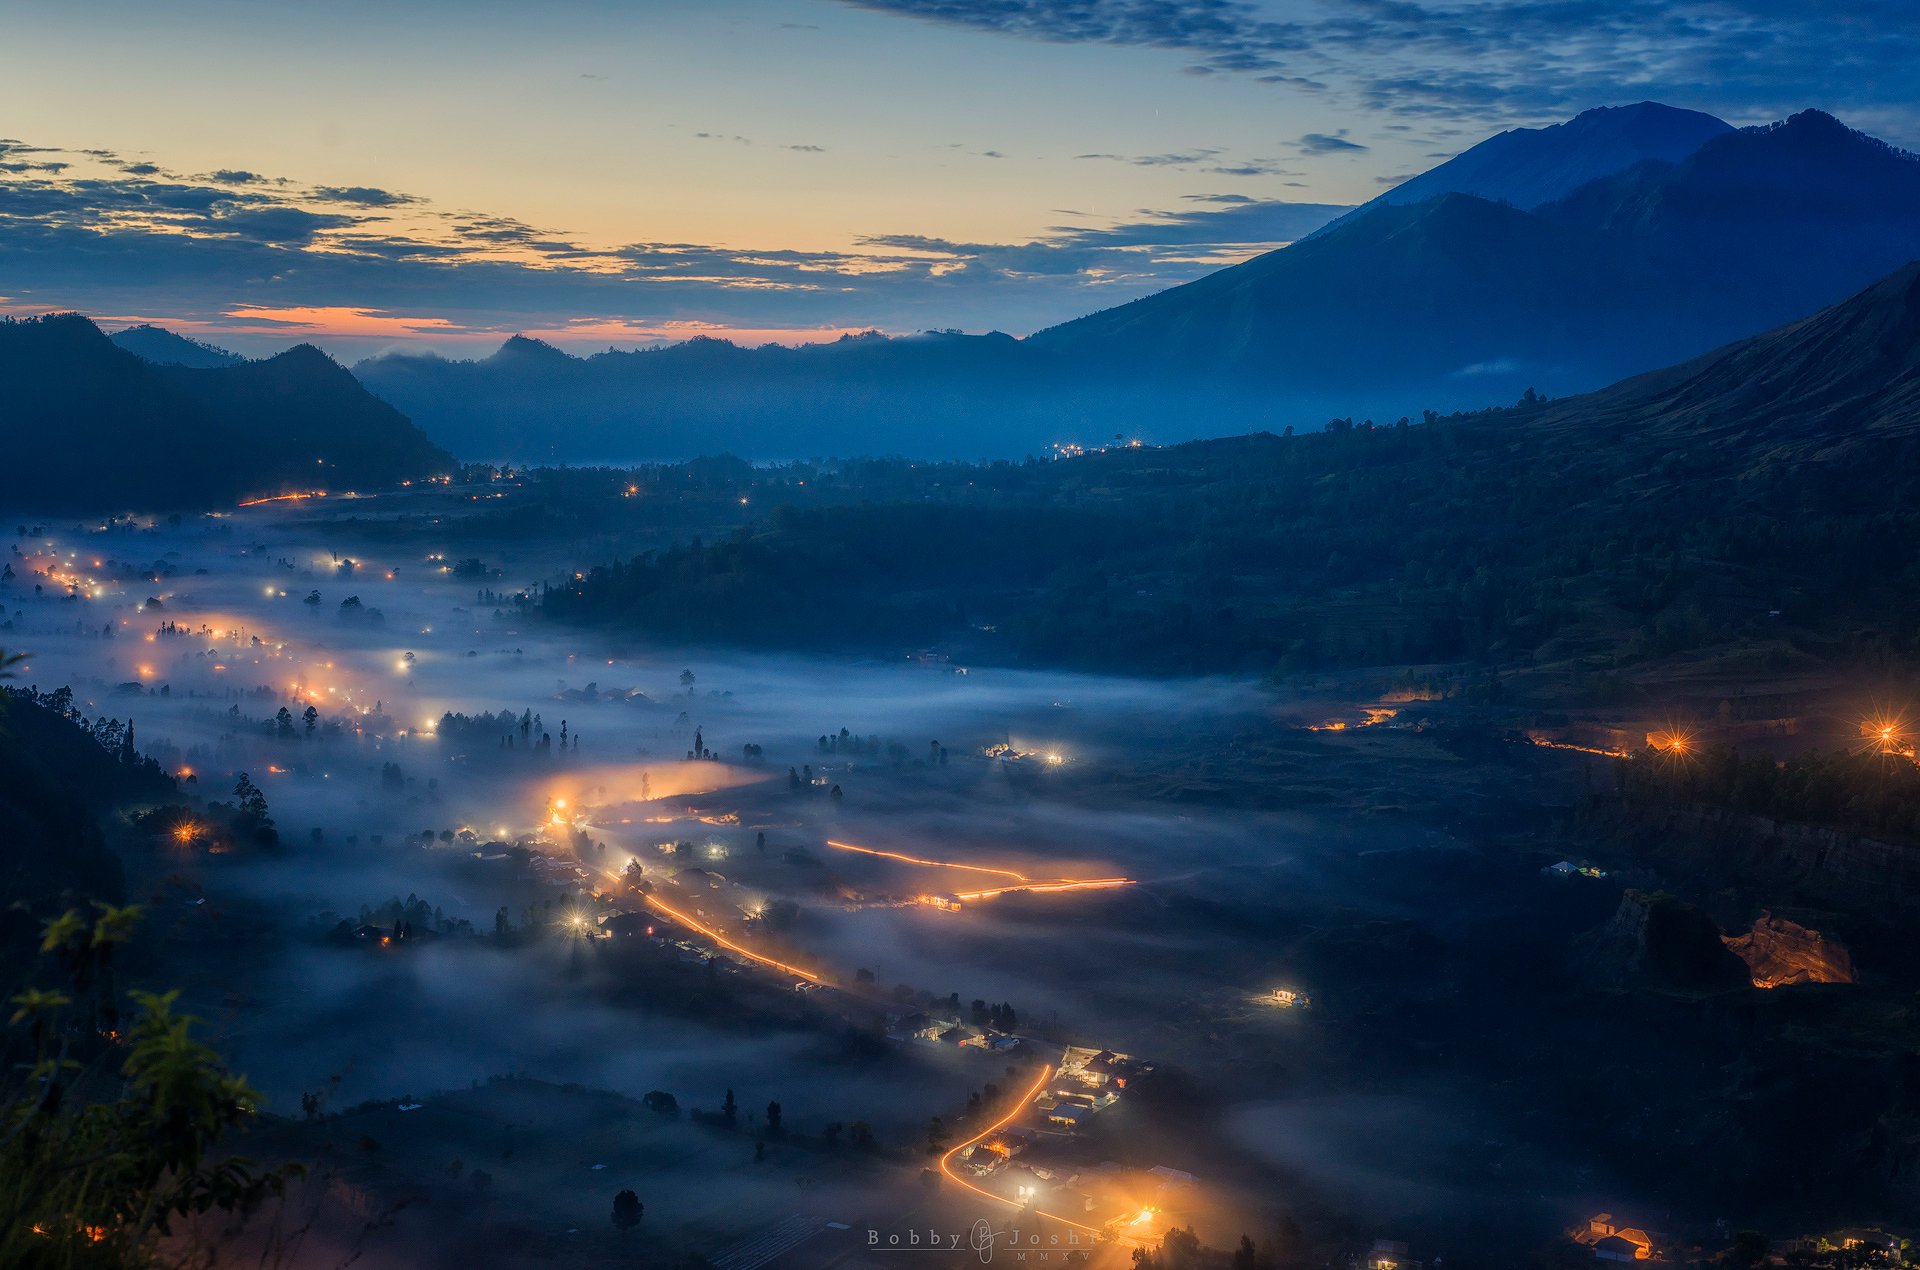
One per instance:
(1778, 952)
(1656, 943)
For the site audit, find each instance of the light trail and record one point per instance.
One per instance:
(1581, 749)
(283, 498)
(1021, 881)
(946, 1161)
(654, 901)
(1065, 884)
(937, 864)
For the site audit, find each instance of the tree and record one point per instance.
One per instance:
(686, 681)
(729, 1109)
(253, 817)
(936, 1136)
(773, 1119)
(283, 724)
(99, 1182)
(311, 717)
(627, 1211)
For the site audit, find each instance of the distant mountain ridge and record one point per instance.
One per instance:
(162, 347)
(91, 425)
(1511, 266)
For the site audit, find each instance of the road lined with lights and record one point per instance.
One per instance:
(655, 902)
(1021, 882)
(1047, 888)
(937, 864)
(1026, 1100)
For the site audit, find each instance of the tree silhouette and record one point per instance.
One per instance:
(627, 1211)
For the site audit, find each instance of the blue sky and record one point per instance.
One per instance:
(367, 174)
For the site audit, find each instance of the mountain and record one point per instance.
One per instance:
(931, 394)
(1535, 273)
(1530, 167)
(1456, 298)
(162, 347)
(89, 424)
(1820, 390)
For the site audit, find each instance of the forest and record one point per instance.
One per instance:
(1469, 536)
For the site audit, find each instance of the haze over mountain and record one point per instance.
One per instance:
(1519, 271)
(90, 424)
(162, 347)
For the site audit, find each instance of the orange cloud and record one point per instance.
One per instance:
(268, 320)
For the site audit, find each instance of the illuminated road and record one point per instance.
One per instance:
(655, 902)
(937, 864)
(1039, 888)
(946, 1161)
(1021, 881)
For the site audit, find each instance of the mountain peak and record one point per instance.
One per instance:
(524, 349)
(1531, 167)
(304, 357)
(162, 347)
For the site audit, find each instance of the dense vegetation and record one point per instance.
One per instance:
(1767, 492)
(1465, 537)
(1875, 792)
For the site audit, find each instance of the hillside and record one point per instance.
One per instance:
(1717, 504)
(162, 347)
(92, 425)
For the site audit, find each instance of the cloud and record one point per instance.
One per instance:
(1515, 60)
(1177, 159)
(360, 196)
(219, 256)
(1325, 143)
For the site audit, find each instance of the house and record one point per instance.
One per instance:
(1390, 1254)
(1615, 1248)
(1612, 1241)
(1070, 1116)
(1171, 1178)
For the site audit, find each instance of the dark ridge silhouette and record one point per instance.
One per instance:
(91, 425)
(162, 347)
(1845, 376)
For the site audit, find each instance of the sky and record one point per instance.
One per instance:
(446, 172)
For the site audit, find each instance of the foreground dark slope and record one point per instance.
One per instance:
(90, 425)
(1671, 512)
